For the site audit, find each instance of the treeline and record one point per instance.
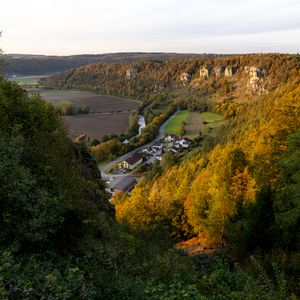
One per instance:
(19, 64)
(68, 109)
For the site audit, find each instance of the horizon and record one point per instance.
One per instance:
(195, 27)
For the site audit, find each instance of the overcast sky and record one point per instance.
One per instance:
(97, 26)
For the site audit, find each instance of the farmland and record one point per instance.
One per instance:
(206, 122)
(97, 103)
(97, 125)
(193, 125)
(27, 80)
(108, 114)
(173, 126)
(211, 123)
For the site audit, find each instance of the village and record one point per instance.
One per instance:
(123, 175)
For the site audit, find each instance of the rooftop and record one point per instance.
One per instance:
(133, 158)
(126, 184)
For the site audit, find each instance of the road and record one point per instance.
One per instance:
(121, 158)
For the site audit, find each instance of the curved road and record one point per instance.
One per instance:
(121, 158)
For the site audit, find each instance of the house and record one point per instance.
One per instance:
(173, 150)
(184, 143)
(132, 161)
(170, 137)
(126, 184)
(157, 146)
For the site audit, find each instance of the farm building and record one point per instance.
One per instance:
(132, 161)
(126, 184)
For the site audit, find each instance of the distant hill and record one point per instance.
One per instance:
(26, 64)
(209, 76)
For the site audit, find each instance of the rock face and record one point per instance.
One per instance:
(205, 72)
(229, 71)
(256, 79)
(131, 73)
(185, 77)
(219, 71)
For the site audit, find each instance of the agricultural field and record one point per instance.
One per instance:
(97, 125)
(97, 103)
(27, 80)
(193, 125)
(207, 123)
(173, 125)
(211, 123)
(108, 114)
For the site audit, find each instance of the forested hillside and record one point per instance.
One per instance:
(19, 64)
(220, 77)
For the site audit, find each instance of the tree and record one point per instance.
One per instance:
(182, 128)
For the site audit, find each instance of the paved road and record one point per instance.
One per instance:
(121, 158)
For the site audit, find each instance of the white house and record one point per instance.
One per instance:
(132, 161)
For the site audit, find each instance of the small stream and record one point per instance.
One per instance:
(142, 123)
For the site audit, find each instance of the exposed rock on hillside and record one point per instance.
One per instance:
(256, 79)
(132, 73)
(219, 71)
(229, 71)
(205, 72)
(185, 76)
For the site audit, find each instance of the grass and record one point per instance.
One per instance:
(213, 122)
(26, 80)
(210, 117)
(173, 126)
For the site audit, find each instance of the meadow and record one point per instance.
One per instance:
(27, 80)
(211, 123)
(173, 125)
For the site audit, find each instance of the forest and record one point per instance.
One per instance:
(239, 194)
(19, 64)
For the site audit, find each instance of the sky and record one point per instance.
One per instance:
(64, 27)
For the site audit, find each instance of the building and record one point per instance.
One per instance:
(170, 137)
(132, 161)
(184, 143)
(125, 185)
(157, 146)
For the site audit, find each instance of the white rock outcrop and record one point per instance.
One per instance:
(185, 77)
(256, 79)
(131, 73)
(205, 72)
(219, 71)
(229, 70)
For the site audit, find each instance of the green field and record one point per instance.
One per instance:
(27, 80)
(211, 117)
(211, 123)
(173, 126)
(207, 123)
